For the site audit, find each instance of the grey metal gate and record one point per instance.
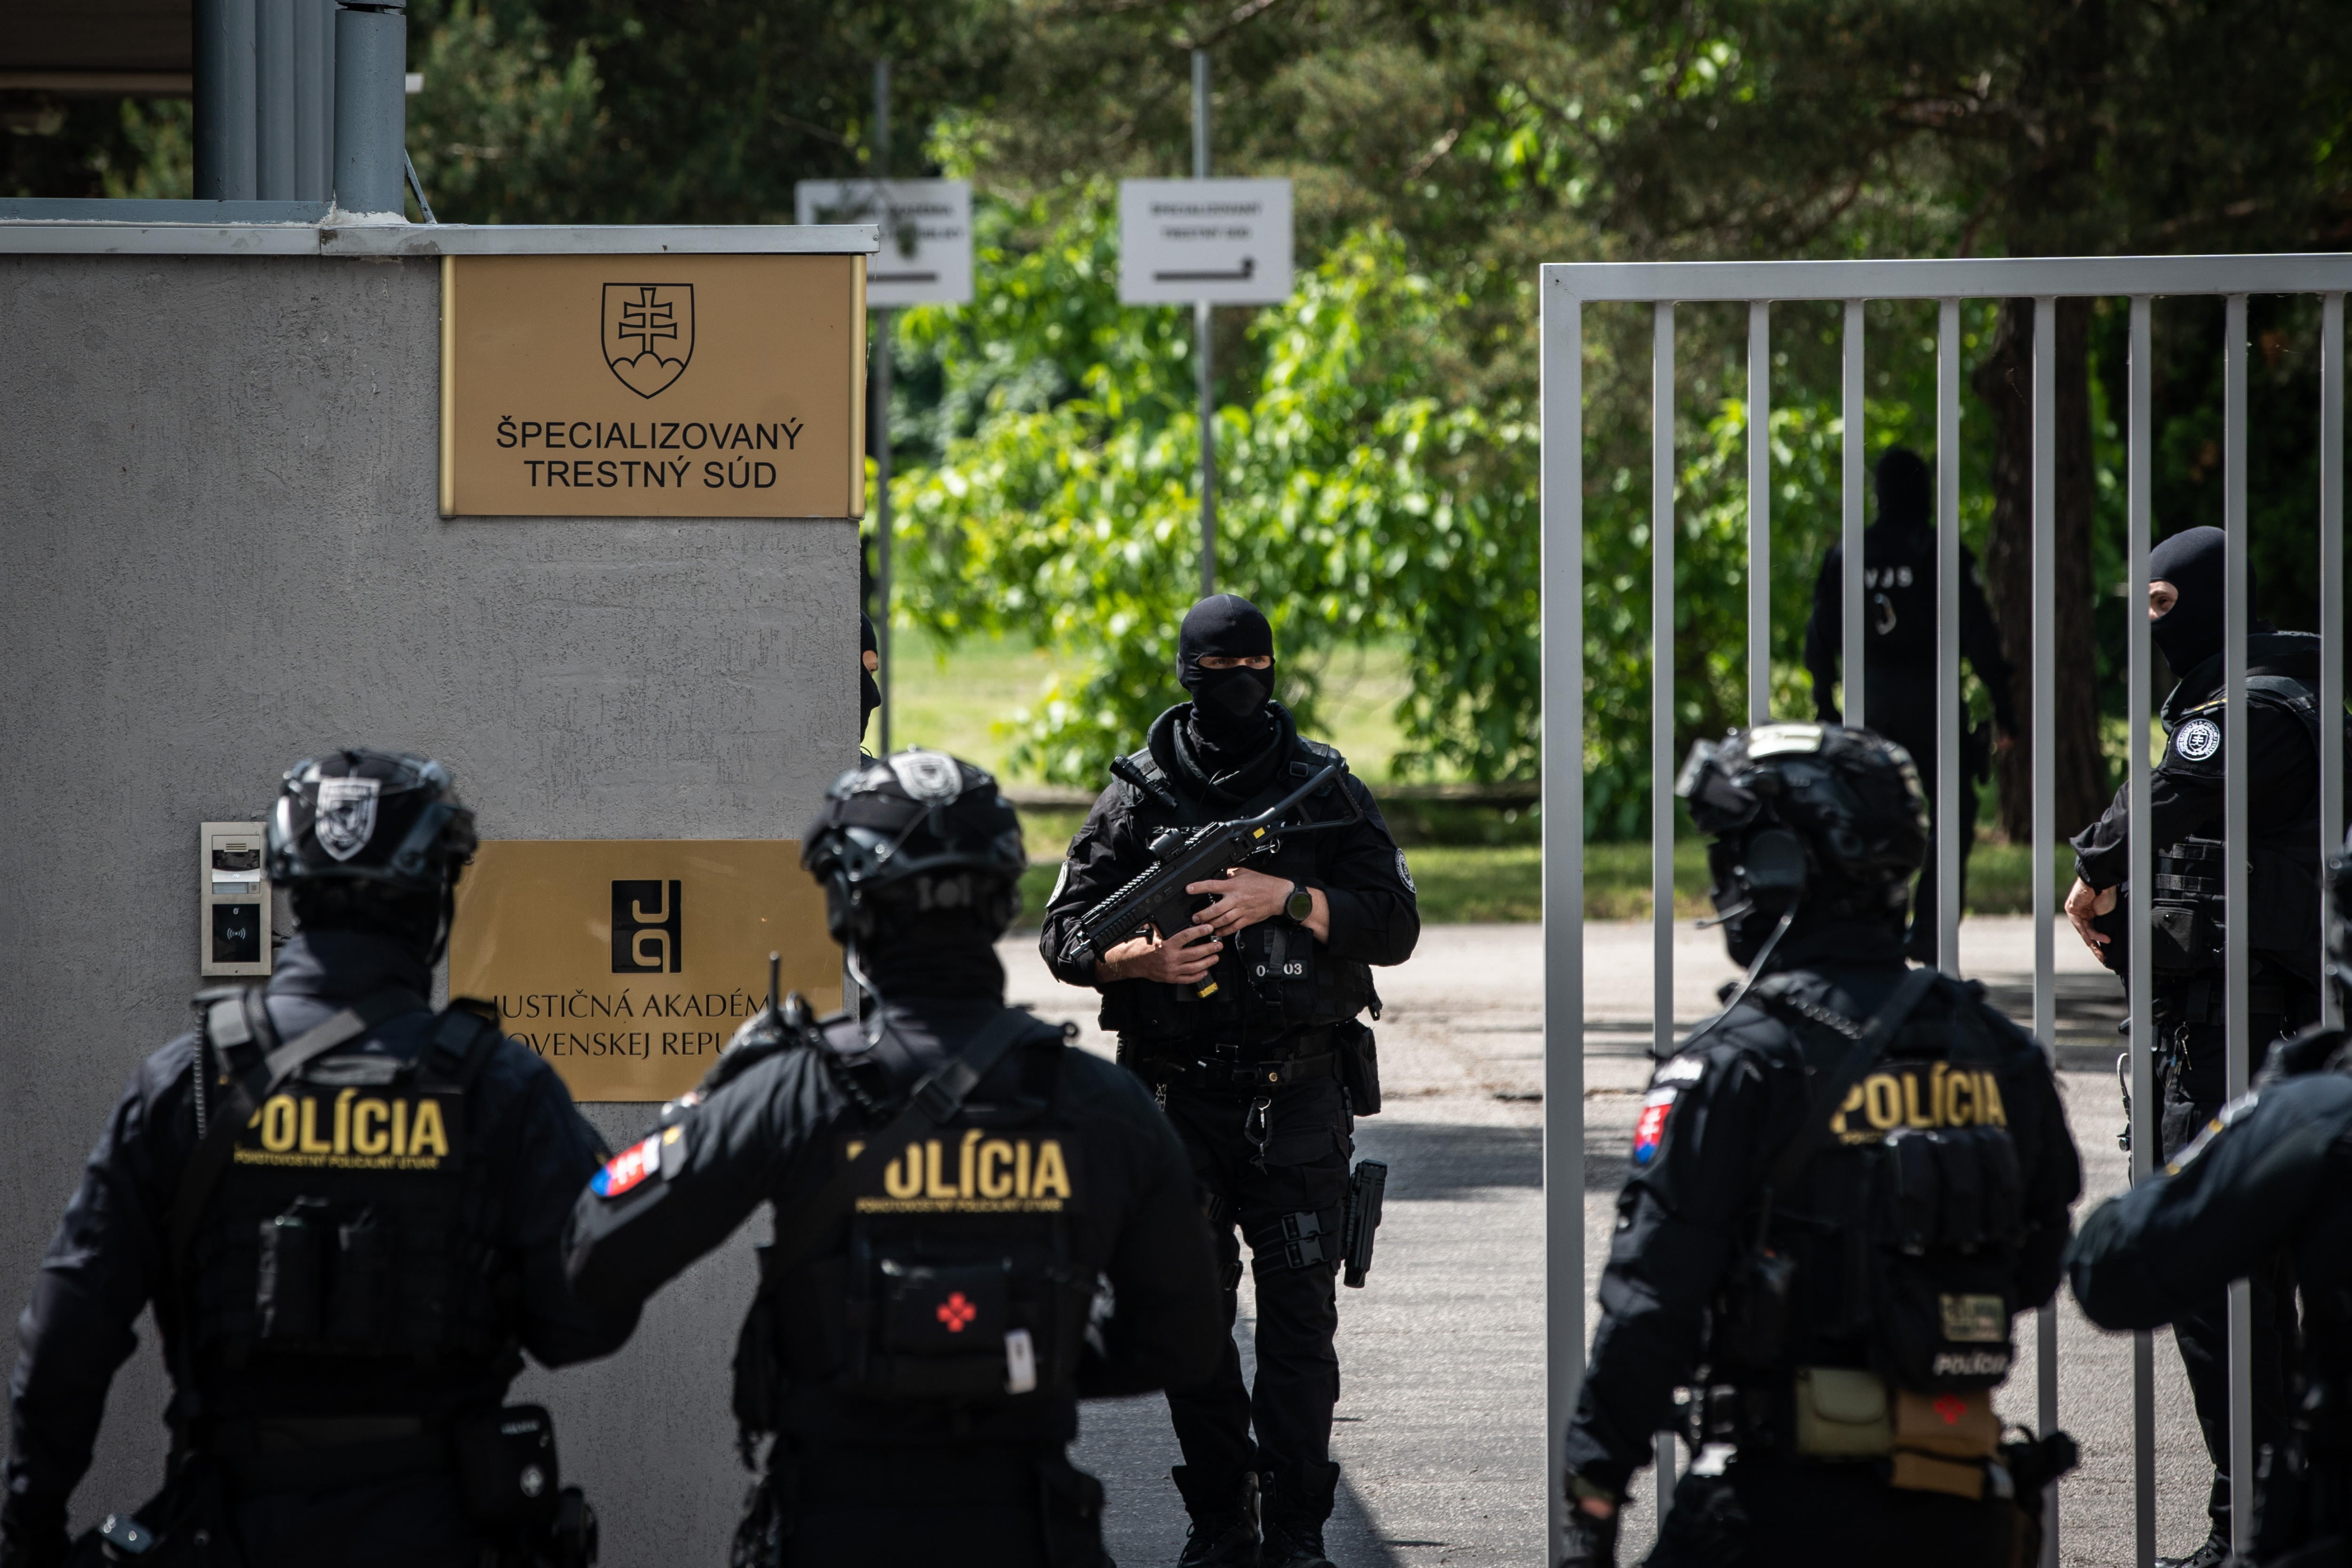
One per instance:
(1566, 288)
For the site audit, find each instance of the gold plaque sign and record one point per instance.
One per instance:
(629, 963)
(653, 386)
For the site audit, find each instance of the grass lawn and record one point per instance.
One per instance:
(1461, 882)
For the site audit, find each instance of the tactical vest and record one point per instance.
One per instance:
(1897, 1250)
(954, 1285)
(348, 1240)
(1272, 979)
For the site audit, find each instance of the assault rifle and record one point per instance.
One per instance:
(1180, 857)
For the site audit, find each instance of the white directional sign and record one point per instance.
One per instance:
(926, 255)
(1225, 241)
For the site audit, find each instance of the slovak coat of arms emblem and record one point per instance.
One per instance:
(648, 333)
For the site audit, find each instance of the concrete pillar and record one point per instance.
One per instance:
(225, 86)
(371, 106)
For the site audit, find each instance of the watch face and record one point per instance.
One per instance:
(1300, 905)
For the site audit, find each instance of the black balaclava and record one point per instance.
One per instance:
(946, 952)
(1229, 720)
(868, 694)
(2194, 563)
(1906, 490)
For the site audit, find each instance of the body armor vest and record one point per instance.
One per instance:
(1896, 1250)
(1272, 979)
(346, 1248)
(954, 1284)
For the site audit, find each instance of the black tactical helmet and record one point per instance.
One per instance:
(360, 815)
(918, 833)
(1818, 812)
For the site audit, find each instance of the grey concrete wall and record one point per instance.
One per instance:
(219, 552)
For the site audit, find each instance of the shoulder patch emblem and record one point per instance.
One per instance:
(1681, 1070)
(627, 1168)
(2196, 740)
(1405, 874)
(1650, 1129)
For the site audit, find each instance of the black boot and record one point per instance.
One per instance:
(1224, 1519)
(1296, 1503)
(2212, 1554)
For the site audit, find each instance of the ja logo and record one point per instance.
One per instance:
(648, 333)
(648, 926)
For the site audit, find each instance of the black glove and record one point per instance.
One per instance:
(1590, 1542)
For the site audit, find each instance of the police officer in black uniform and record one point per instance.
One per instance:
(869, 660)
(1265, 1074)
(2187, 602)
(345, 1210)
(976, 1226)
(1898, 553)
(2267, 1174)
(1842, 1187)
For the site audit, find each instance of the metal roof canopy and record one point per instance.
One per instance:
(38, 237)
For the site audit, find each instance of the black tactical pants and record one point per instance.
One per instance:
(1768, 1514)
(1919, 943)
(407, 1521)
(1305, 1131)
(2194, 1092)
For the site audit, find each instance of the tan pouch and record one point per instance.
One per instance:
(1841, 1413)
(1926, 1473)
(1942, 1441)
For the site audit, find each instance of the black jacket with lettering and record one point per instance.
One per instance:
(2184, 794)
(529, 1150)
(776, 1133)
(2272, 1172)
(1899, 610)
(1375, 915)
(1714, 1122)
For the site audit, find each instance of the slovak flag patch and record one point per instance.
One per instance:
(1650, 1131)
(627, 1168)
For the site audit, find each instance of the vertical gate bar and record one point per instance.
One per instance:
(1850, 663)
(2331, 603)
(1949, 829)
(1662, 733)
(2234, 892)
(2140, 1040)
(2045, 806)
(1562, 534)
(1204, 315)
(1759, 511)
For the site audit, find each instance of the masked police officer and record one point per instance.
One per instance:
(870, 661)
(1245, 1026)
(2188, 604)
(345, 1210)
(1842, 1188)
(2269, 1175)
(976, 1226)
(1899, 684)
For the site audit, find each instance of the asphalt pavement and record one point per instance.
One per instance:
(1439, 1427)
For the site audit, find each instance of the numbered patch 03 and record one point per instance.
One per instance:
(1650, 1128)
(2196, 740)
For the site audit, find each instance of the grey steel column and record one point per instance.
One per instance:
(1562, 405)
(2234, 894)
(225, 125)
(276, 126)
(2331, 603)
(881, 421)
(1204, 317)
(1662, 736)
(1950, 830)
(1851, 665)
(2140, 848)
(1759, 511)
(314, 129)
(371, 108)
(2045, 804)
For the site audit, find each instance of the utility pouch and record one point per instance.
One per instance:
(2185, 921)
(1360, 1067)
(362, 1275)
(1841, 1413)
(506, 1474)
(1942, 1441)
(1753, 1330)
(1948, 1215)
(944, 1333)
(287, 1287)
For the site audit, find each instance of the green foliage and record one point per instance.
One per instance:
(506, 127)
(1352, 504)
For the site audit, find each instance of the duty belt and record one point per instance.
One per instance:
(1309, 1055)
(316, 1453)
(2205, 1000)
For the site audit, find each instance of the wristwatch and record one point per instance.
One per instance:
(1300, 905)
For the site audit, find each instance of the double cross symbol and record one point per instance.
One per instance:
(956, 1311)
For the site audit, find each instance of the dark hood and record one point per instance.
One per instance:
(2294, 654)
(1220, 780)
(345, 966)
(2196, 562)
